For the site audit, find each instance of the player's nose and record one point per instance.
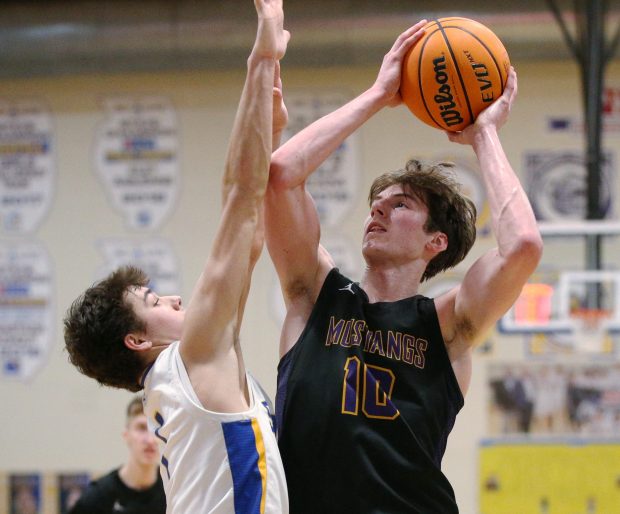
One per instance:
(377, 209)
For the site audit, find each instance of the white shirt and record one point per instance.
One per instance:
(213, 462)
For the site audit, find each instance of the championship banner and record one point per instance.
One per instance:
(155, 257)
(334, 185)
(26, 313)
(27, 165)
(137, 159)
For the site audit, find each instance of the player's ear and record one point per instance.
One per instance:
(137, 342)
(438, 243)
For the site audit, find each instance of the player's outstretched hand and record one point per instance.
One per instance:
(388, 79)
(271, 38)
(493, 116)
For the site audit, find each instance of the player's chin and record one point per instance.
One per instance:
(371, 248)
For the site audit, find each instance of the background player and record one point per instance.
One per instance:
(220, 452)
(136, 487)
(373, 375)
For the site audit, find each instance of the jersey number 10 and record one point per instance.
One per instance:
(375, 389)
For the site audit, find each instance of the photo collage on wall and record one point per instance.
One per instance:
(41, 493)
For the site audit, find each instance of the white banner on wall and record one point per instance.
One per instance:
(155, 256)
(335, 184)
(137, 158)
(26, 313)
(27, 165)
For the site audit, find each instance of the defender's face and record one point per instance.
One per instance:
(394, 230)
(142, 444)
(162, 315)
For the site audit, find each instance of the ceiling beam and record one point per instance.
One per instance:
(74, 37)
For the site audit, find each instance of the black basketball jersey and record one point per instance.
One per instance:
(366, 400)
(110, 495)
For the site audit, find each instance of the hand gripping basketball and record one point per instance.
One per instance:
(455, 71)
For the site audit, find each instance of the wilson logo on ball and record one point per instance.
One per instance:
(444, 99)
(457, 69)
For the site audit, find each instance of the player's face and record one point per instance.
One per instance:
(142, 444)
(394, 230)
(163, 315)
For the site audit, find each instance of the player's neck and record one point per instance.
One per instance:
(137, 476)
(391, 283)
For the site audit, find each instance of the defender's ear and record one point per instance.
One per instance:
(136, 343)
(438, 243)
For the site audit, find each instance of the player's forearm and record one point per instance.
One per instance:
(294, 162)
(249, 151)
(250, 148)
(513, 221)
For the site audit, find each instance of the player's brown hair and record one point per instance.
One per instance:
(95, 327)
(449, 211)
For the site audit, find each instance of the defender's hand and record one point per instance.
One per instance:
(271, 38)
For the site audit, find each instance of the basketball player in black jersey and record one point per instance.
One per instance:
(136, 487)
(373, 374)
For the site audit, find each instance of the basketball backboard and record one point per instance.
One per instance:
(577, 308)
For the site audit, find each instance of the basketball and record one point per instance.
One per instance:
(457, 69)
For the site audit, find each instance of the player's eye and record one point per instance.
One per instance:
(156, 301)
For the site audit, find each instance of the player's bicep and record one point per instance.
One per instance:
(489, 288)
(292, 232)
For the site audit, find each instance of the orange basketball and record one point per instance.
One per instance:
(457, 69)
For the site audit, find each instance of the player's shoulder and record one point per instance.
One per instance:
(160, 369)
(445, 304)
(97, 495)
(105, 483)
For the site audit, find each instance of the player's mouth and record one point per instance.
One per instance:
(150, 452)
(374, 227)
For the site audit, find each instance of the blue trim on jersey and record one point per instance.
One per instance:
(160, 421)
(146, 372)
(244, 459)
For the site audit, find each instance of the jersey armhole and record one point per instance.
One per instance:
(430, 310)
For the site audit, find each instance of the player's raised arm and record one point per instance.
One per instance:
(280, 120)
(211, 325)
(292, 224)
(494, 281)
